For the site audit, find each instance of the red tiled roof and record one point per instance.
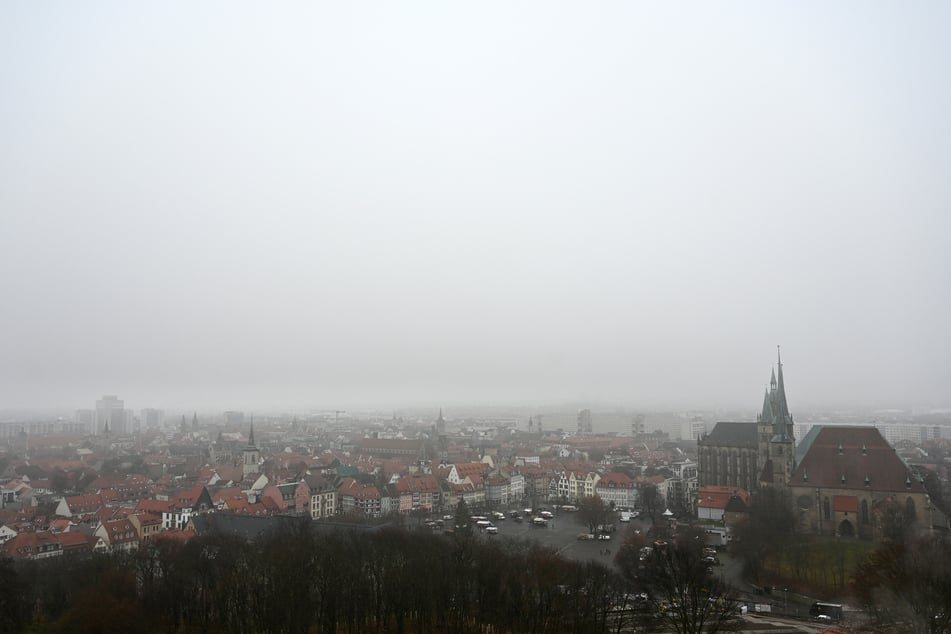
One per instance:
(189, 497)
(155, 506)
(469, 469)
(79, 504)
(422, 484)
(619, 480)
(149, 519)
(176, 534)
(842, 458)
(717, 497)
(229, 493)
(76, 541)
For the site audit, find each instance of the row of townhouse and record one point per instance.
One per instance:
(568, 485)
(33, 545)
(615, 487)
(436, 492)
(112, 535)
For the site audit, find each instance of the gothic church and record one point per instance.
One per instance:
(751, 455)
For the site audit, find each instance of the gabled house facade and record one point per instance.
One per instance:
(119, 535)
(617, 488)
(33, 545)
(323, 497)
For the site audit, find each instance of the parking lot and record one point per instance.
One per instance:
(561, 533)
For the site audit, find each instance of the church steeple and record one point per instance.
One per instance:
(251, 454)
(781, 390)
(767, 414)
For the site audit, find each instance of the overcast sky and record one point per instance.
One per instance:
(343, 204)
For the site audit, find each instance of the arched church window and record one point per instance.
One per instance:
(826, 509)
(910, 512)
(865, 511)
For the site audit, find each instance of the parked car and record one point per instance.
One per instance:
(492, 530)
(585, 537)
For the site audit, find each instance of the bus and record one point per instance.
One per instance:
(831, 610)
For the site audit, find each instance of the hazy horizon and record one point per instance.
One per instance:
(239, 205)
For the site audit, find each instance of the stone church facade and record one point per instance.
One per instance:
(850, 482)
(748, 455)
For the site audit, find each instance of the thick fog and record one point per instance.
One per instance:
(243, 204)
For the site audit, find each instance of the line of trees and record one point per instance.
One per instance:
(297, 580)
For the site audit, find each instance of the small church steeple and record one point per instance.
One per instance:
(251, 454)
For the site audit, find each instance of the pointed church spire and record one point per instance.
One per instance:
(781, 391)
(195, 421)
(251, 434)
(772, 380)
(767, 414)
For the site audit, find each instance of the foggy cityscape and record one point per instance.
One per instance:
(649, 302)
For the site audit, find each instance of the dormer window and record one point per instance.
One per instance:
(840, 448)
(864, 450)
(868, 482)
(805, 477)
(843, 478)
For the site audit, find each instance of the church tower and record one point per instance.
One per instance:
(442, 444)
(775, 438)
(251, 455)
